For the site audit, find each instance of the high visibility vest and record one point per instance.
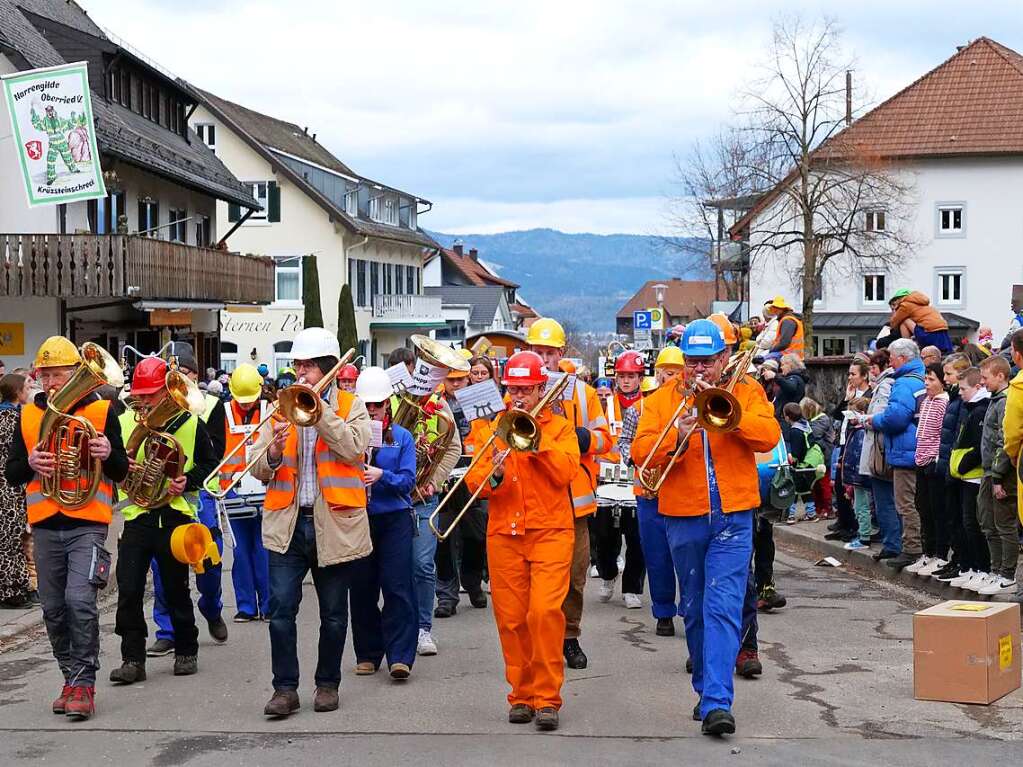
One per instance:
(237, 430)
(796, 344)
(341, 483)
(187, 503)
(100, 508)
(584, 500)
(210, 403)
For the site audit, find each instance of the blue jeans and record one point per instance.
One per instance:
(393, 631)
(424, 570)
(332, 584)
(208, 583)
(250, 571)
(660, 570)
(713, 548)
(887, 517)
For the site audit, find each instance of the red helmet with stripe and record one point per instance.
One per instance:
(150, 376)
(524, 369)
(630, 362)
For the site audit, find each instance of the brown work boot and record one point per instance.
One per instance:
(400, 671)
(365, 668)
(282, 704)
(325, 699)
(547, 719)
(60, 703)
(520, 713)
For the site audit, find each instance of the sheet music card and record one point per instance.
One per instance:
(376, 432)
(401, 379)
(553, 379)
(480, 400)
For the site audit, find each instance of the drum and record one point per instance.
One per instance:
(615, 494)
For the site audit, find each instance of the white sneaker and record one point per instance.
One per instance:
(978, 581)
(922, 562)
(633, 601)
(997, 586)
(593, 572)
(933, 565)
(426, 645)
(964, 576)
(607, 590)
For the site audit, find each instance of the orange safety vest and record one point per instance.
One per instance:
(237, 429)
(585, 410)
(341, 483)
(796, 344)
(100, 508)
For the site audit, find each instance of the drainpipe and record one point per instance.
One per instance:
(348, 253)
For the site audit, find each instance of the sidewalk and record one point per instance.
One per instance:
(809, 538)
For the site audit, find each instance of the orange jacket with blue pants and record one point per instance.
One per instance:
(529, 548)
(708, 500)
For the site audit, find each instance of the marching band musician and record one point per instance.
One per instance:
(546, 338)
(68, 541)
(347, 377)
(530, 545)
(147, 534)
(207, 583)
(314, 518)
(708, 500)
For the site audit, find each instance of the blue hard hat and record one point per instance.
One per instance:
(702, 338)
(263, 370)
(603, 381)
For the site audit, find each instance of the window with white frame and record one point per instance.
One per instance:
(289, 279)
(228, 356)
(207, 133)
(258, 190)
(282, 356)
(874, 221)
(873, 289)
(412, 215)
(203, 231)
(390, 211)
(352, 203)
(374, 208)
(951, 219)
(177, 228)
(951, 286)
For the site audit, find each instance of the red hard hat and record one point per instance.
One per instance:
(524, 369)
(630, 362)
(149, 377)
(348, 373)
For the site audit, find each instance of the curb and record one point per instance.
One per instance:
(809, 537)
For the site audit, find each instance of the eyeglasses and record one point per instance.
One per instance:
(520, 390)
(701, 362)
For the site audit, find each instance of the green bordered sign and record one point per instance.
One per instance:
(54, 134)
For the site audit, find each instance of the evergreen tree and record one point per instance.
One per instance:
(347, 333)
(313, 317)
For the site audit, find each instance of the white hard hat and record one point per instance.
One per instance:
(315, 342)
(373, 385)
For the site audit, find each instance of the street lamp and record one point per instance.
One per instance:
(659, 289)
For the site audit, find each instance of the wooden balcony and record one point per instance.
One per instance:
(130, 267)
(407, 310)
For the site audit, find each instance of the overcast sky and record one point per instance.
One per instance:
(520, 114)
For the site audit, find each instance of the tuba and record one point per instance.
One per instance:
(77, 475)
(164, 457)
(414, 412)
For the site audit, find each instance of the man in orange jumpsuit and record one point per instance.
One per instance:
(708, 500)
(546, 337)
(529, 544)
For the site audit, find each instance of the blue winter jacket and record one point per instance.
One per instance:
(955, 414)
(851, 457)
(393, 491)
(898, 420)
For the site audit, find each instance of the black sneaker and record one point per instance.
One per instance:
(129, 673)
(770, 599)
(884, 554)
(218, 630)
(478, 598)
(159, 648)
(665, 627)
(901, 561)
(689, 665)
(719, 722)
(696, 713)
(240, 617)
(185, 665)
(445, 610)
(833, 527)
(574, 655)
(949, 575)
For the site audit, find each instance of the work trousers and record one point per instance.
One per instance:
(250, 568)
(614, 523)
(848, 521)
(424, 569)
(905, 506)
(393, 630)
(930, 494)
(998, 521)
(888, 518)
(63, 558)
(573, 605)
(332, 584)
(461, 558)
(974, 554)
(763, 550)
(529, 576)
(207, 583)
(712, 549)
(143, 539)
(657, 557)
(750, 628)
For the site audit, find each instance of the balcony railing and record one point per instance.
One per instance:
(116, 266)
(406, 307)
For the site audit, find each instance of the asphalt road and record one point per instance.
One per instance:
(837, 689)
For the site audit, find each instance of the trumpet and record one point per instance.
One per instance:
(717, 410)
(520, 431)
(299, 404)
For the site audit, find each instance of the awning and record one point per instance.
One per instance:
(872, 321)
(148, 306)
(408, 325)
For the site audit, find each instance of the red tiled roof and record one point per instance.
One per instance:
(682, 298)
(971, 104)
(523, 310)
(474, 271)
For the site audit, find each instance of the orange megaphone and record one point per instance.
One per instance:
(192, 545)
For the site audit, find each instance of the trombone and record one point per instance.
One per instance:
(298, 404)
(717, 410)
(520, 431)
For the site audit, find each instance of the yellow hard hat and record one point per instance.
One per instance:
(670, 355)
(246, 384)
(546, 332)
(779, 302)
(648, 384)
(55, 352)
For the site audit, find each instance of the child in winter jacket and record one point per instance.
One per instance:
(1000, 481)
(930, 483)
(858, 484)
(822, 429)
(808, 458)
(966, 467)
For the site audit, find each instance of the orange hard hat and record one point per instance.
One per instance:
(566, 366)
(727, 328)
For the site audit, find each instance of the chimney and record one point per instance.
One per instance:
(848, 97)
(474, 254)
(457, 247)
(305, 130)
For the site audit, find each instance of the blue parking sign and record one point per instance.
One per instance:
(642, 320)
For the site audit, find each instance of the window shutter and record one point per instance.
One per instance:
(234, 212)
(273, 202)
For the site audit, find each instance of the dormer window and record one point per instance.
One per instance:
(391, 211)
(352, 203)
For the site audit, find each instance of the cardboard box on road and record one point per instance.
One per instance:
(966, 652)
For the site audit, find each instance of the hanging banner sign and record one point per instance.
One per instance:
(54, 134)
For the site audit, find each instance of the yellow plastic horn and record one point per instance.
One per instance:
(192, 545)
